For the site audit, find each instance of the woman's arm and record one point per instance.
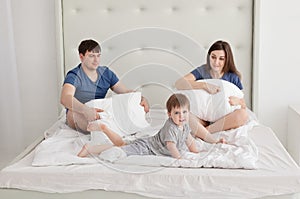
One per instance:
(173, 150)
(189, 82)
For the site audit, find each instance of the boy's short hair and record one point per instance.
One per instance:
(177, 100)
(89, 45)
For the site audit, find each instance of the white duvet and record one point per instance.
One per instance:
(61, 143)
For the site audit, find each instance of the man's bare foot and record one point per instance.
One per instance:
(84, 151)
(95, 126)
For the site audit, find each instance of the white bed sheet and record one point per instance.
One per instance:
(63, 146)
(63, 143)
(277, 174)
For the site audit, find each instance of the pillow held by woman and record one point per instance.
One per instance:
(211, 107)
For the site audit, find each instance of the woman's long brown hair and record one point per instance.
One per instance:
(229, 61)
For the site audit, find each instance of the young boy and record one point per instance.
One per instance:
(173, 139)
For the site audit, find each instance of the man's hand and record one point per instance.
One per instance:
(145, 104)
(91, 114)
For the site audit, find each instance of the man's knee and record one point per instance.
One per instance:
(70, 119)
(76, 122)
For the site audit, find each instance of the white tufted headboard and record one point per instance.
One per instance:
(150, 44)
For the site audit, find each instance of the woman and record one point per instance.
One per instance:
(220, 65)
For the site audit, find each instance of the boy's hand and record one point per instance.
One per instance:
(222, 141)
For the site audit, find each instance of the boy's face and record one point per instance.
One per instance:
(179, 115)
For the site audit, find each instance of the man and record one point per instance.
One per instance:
(89, 81)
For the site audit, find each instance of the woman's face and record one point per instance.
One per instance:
(217, 60)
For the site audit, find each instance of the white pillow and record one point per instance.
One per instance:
(129, 115)
(122, 113)
(211, 107)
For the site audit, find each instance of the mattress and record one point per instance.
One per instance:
(276, 174)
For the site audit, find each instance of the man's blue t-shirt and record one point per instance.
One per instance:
(86, 89)
(201, 72)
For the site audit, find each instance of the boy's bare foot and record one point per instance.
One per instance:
(95, 126)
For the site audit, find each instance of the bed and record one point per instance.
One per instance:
(150, 44)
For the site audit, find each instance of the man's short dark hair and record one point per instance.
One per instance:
(89, 45)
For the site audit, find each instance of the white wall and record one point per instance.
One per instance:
(277, 63)
(34, 37)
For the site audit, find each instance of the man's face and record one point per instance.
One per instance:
(90, 60)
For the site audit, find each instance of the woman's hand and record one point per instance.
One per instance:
(234, 101)
(211, 88)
